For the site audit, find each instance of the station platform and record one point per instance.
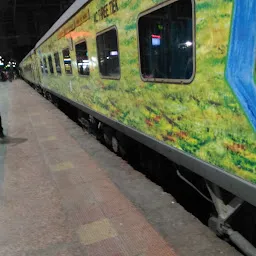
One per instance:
(55, 200)
(62, 193)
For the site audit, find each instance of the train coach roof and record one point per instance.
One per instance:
(75, 7)
(30, 53)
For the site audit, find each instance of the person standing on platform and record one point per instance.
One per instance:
(11, 74)
(1, 129)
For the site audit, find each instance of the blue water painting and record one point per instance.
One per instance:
(242, 56)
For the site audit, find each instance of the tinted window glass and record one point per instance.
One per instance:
(108, 54)
(82, 59)
(166, 42)
(50, 64)
(42, 66)
(45, 66)
(67, 61)
(57, 62)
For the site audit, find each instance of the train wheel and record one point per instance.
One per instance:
(49, 97)
(107, 135)
(56, 102)
(115, 145)
(99, 132)
(123, 144)
(107, 139)
(122, 151)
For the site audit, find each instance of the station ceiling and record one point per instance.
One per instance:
(24, 22)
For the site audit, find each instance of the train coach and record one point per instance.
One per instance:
(177, 76)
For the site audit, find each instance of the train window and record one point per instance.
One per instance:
(50, 64)
(57, 62)
(45, 66)
(108, 54)
(67, 61)
(166, 43)
(82, 59)
(42, 66)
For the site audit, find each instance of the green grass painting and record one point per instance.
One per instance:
(203, 118)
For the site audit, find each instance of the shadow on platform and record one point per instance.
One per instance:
(14, 141)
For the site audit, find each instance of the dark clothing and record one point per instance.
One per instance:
(11, 75)
(3, 76)
(1, 128)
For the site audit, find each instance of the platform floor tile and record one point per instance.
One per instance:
(96, 231)
(55, 200)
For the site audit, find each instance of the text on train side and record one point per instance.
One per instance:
(106, 10)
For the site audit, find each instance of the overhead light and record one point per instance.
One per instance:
(188, 43)
(114, 53)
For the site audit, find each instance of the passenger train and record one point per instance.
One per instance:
(178, 76)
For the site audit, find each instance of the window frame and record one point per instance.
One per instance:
(163, 80)
(56, 64)
(79, 42)
(100, 33)
(67, 48)
(51, 73)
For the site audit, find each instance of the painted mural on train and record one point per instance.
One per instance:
(211, 115)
